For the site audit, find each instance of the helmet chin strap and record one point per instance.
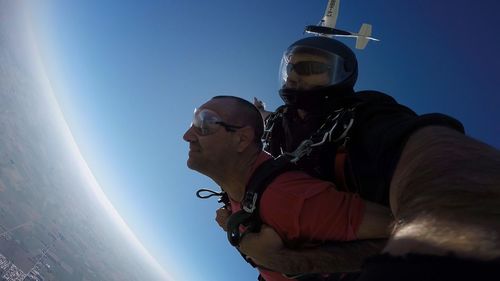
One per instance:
(316, 100)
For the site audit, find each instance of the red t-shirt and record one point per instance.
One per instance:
(301, 208)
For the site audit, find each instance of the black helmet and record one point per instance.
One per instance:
(316, 71)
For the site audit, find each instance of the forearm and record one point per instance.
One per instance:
(335, 257)
(438, 161)
(446, 183)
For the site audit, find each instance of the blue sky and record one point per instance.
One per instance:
(128, 74)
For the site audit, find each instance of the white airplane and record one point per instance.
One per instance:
(326, 27)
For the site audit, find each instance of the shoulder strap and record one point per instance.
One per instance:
(261, 178)
(272, 132)
(248, 216)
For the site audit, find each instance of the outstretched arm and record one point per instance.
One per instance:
(446, 183)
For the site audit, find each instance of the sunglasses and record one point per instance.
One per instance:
(207, 122)
(308, 67)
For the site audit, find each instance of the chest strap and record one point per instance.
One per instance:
(248, 219)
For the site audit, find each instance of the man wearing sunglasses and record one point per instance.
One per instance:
(297, 209)
(420, 166)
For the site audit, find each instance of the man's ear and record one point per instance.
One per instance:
(244, 138)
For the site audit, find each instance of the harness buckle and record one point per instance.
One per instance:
(249, 203)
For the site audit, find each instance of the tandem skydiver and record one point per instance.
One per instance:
(442, 186)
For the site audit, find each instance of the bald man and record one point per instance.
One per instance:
(297, 209)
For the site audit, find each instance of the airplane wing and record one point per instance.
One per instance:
(331, 14)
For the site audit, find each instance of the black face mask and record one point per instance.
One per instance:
(318, 101)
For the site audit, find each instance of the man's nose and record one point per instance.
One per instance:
(189, 135)
(294, 81)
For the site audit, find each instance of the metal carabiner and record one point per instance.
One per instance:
(303, 149)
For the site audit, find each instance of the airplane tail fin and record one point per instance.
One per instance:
(365, 31)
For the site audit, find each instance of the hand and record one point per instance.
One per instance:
(261, 107)
(262, 246)
(259, 104)
(221, 217)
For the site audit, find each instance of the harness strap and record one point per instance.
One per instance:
(248, 218)
(249, 221)
(340, 161)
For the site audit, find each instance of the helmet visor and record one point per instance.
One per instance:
(305, 68)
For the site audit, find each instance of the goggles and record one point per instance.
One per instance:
(306, 62)
(207, 122)
(306, 68)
